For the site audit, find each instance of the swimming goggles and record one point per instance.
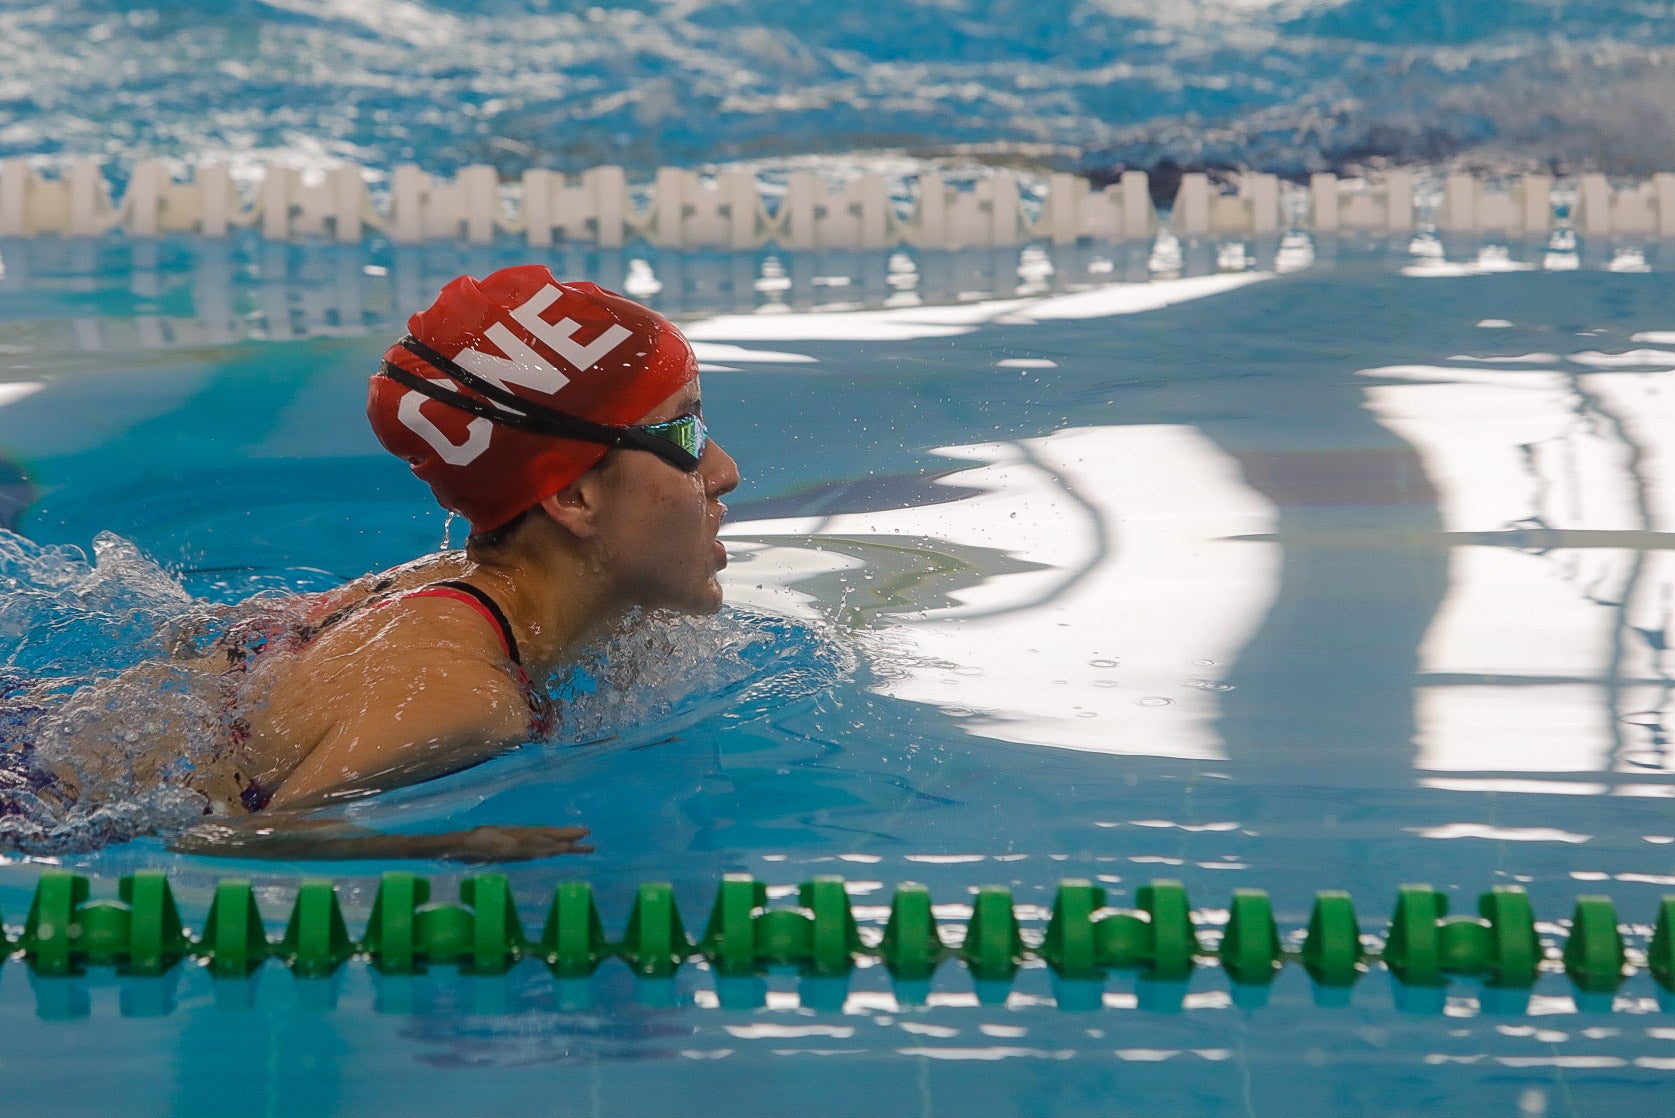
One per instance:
(679, 441)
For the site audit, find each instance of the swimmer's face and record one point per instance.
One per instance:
(659, 523)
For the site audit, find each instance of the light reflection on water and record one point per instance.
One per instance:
(1546, 653)
(1553, 476)
(113, 295)
(1122, 536)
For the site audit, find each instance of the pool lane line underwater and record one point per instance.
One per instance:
(141, 934)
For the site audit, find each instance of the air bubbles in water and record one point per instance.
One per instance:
(62, 615)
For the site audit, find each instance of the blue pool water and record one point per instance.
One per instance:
(1343, 569)
(1289, 86)
(1341, 575)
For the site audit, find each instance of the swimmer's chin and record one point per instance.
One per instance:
(713, 599)
(698, 601)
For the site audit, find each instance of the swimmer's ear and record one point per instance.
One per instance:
(575, 509)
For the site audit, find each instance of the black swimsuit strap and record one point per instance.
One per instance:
(495, 612)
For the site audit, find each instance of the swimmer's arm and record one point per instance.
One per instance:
(414, 720)
(285, 836)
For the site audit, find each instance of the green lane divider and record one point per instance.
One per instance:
(655, 943)
(156, 938)
(836, 937)
(1413, 951)
(1250, 947)
(912, 947)
(994, 943)
(1071, 945)
(1593, 955)
(141, 933)
(234, 943)
(1514, 949)
(316, 940)
(1332, 947)
(51, 930)
(573, 943)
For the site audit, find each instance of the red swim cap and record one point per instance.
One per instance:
(569, 348)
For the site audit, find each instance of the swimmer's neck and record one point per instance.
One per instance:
(555, 592)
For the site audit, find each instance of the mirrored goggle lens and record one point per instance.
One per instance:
(686, 432)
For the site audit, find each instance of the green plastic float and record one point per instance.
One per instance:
(141, 933)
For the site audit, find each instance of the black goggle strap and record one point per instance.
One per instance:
(522, 415)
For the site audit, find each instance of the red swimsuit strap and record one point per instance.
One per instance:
(459, 593)
(540, 707)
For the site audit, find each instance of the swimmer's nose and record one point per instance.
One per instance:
(719, 470)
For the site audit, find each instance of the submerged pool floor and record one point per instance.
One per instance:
(1337, 576)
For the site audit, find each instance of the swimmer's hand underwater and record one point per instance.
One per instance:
(288, 837)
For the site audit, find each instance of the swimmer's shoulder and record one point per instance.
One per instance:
(395, 697)
(412, 575)
(431, 658)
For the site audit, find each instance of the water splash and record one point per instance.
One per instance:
(97, 729)
(107, 711)
(63, 615)
(662, 672)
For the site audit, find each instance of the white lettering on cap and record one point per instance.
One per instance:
(521, 365)
(561, 335)
(477, 432)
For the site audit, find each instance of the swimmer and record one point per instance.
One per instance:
(564, 423)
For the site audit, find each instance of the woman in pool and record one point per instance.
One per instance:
(563, 422)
